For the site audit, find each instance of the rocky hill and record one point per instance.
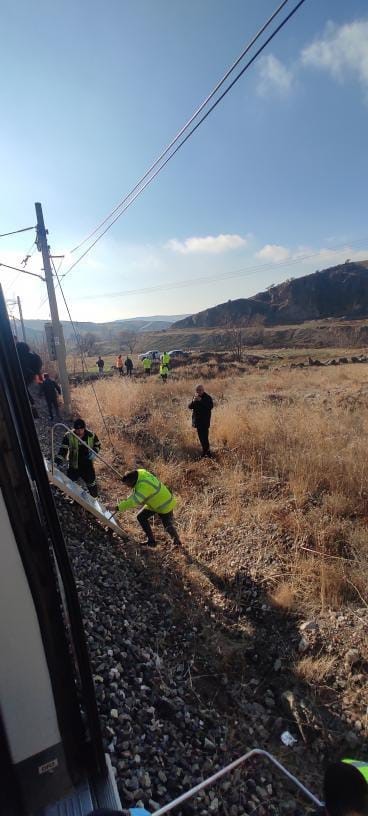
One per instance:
(335, 292)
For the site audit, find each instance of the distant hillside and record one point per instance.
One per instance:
(335, 292)
(35, 328)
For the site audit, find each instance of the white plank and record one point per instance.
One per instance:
(83, 497)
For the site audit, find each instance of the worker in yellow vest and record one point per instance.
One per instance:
(80, 456)
(147, 365)
(163, 372)
(157, 500)
(165, 358)
(346, 788)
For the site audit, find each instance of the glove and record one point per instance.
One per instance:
(91, 455)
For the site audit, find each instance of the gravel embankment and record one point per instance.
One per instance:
(185, 683)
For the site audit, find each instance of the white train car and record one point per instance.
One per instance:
(51, 753)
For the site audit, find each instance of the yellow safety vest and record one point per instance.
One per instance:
(163, 369)
(74, 448)
(360, 765)
(147, 362)
(166, 358)
(149, 491)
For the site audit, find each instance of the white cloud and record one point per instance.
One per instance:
(209, 245)
(320, 258)
(274, 253)
(274, 76)
(343, 51)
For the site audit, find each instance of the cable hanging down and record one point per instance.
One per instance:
(185, 139)
(82, 355)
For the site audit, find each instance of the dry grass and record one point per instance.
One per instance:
(289, 478)
(316, 669)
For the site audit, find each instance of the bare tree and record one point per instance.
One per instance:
(87, 343)
(128, 340)
(235, 339)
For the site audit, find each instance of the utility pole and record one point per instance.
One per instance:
(43, 247)
(15, 327)
(21, 319)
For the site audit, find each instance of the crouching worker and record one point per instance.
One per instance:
(157, 500)
(80, 458)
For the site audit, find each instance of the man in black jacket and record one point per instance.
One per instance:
(80, 457)
(202, 405)
(31, 365)
(50, 389)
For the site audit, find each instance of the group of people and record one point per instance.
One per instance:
(128, 364)
(81, 445)
(119, 365)
(164, 365)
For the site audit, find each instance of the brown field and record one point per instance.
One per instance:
(288, 483)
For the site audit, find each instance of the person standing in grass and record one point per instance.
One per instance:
(100, 365)
(201, 407)
(164, 370)
(157, 500)
(147, 365)
(129, 366)
(119, 364)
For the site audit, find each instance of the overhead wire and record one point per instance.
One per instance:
(15, 232)
(185, 139)
(24, 271)
(245, 272)
(82, 355)
(186, 125)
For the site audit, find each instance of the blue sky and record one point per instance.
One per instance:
(93, 90)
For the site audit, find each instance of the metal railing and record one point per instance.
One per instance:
(97, 455)
(69, 430)
(227, 769)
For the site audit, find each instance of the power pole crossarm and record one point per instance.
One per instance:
(43, 247)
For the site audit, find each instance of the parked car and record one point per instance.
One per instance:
(153, 354)
(178, 353)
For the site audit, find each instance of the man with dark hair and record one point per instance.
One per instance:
(31, 365)
(80, 456)
(50, 389)
(345, 788)
(100, 365)
(201, 406)
(129, 366)
(157, 500)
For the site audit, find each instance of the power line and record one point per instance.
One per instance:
(245, 271)
(185, 127)
(15, 232)
(82, 354)
(185, 139)
(24, 271)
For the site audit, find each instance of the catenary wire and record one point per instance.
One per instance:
(82, 356)
(186, 126)
(24, 271)
(15, 232)
(188, 135)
